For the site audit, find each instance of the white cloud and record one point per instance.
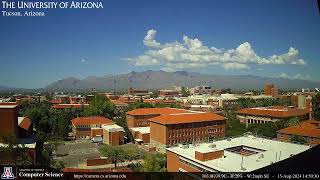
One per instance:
(294, 76)
(192, 53)
(83, 60)
(284, 75)
(235, 66)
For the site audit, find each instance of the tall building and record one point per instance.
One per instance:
(271, 90)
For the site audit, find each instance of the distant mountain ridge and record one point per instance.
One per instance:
(162, 79)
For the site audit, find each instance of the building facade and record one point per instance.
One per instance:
(184, 128)
(307, 131)
(270, 114)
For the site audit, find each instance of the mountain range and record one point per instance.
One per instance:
(162, 79)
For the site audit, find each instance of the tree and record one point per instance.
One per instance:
(115, 154)
(234, 126)
(185, 92)
(100, 106)
(154, 163)
(298, 139)
(268, 129)
(316, 107)
(292, 122)
(14, 153)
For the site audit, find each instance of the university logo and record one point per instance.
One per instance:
(7, 173)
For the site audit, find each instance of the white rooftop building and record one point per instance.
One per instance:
(241, 154)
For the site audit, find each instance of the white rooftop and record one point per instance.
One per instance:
(142, 130)
(113, 128)
(8, 106)
(273, 151)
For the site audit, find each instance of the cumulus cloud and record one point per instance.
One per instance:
(192, 53)
(294, 76)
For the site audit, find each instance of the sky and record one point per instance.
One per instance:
(244, 37)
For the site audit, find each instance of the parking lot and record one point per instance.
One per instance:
(76, 152)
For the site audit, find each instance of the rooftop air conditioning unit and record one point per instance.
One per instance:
(212, 146)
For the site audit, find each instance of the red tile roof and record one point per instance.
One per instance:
(186, 118)
(310, 128)
(25, 123)
(55, 101)
(91, 120)
(117, 102)
(63, 106)
(274, 111)
(152, 111)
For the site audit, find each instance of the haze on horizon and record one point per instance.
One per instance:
(262, 38)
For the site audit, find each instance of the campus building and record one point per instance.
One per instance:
(241, 154)
(187, 127)
(141, 134)
(309, 131)
(140, 117)
(271, 90)
(138, 92)
(20, 127)
(271, 114)
(168, 93)
(97, 126)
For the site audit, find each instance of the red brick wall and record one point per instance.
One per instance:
(9, 122)
(208, 156)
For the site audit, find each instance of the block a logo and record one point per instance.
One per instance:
(7, 173)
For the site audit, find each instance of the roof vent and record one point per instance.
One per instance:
(212, 145)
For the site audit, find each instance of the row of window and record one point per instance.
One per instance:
(187, 140)
(216, 130)
(144, 123)
(195, 125)
(192, 133)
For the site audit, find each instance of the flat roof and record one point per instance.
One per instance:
(143, 130)
(113, 128)
(273, 151)
(274, 111)
(9, 106)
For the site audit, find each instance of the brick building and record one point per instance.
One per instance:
(271, 90)
(140, 117)
(241, 154)
(89, 127)
(189, 127)
(307, 130)
(270, 114)
(20, 127)
(168, 93)
(97, 126)
(137, 92)
(141, 134)
(8, 119)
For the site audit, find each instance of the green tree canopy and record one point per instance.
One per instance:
(154, 163)
(100, 106)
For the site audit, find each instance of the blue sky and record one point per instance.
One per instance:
(171, 35)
